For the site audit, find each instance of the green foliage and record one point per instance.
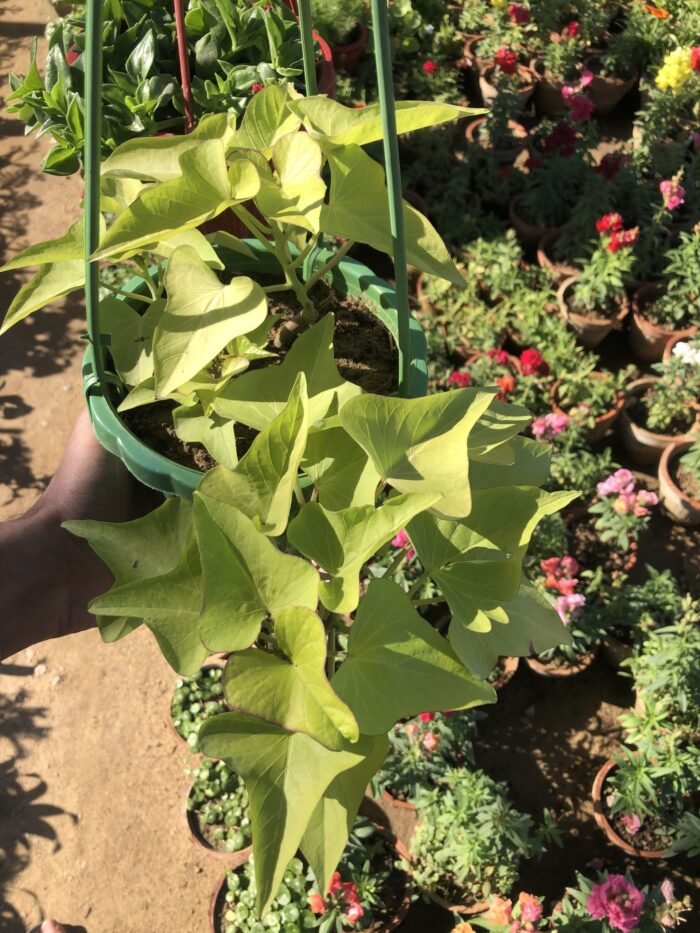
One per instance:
(690, 461)
(218, 800)
(600, 287)
(336, 19)
(669, 404)
(679, 305)
(195, 700)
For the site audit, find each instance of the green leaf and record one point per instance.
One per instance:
(398, 665)
(141, 58)
(245, 577)
(341, 542)
(138, 550)
(262, 484)
(291, 691)
(358, 209)
(296, 194)
(204, 189)
(286, 776)
(131, 337)
(498, 425)
(527, 464)
(201, 316)
(215, 434)
(337, 125)
(481, 633)
(61, 160)
(157, 158)
(420, 445)
(266, 119)
(256, 398)
(51, 282)
(195, 240)
(339, 468)
(67, 247)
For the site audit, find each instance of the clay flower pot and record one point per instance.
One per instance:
(471, 55)
(604, 422)
(502, 156)
(675, 501)
(602, 820)
(645, 446)
(649, 340)
(606, 93)
(399, 804)
(489, 91)
(197, 839)
(558, 271)
(347, 55)
(550, 669)
(510, 666)
(479, 908)
(615, 651)
(548, 99)
(590, 330)
(529, 234)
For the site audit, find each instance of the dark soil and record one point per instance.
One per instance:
(639, 414)
(585, 545)
(153, 424)
(207, 831)
(687, 482)
(651, 835)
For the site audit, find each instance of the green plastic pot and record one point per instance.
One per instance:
(153, 469)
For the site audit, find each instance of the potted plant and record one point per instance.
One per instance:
(343, 25)
(459, 868)
(622, 510)
(506, 75)
(615, 71)
(421, 751)
(556, 66)
(679, 481)
(661, 409)
(640, 796)
(590, 399)
(499, 133)
(195, 699)
(594, 302)
(504, 916)
(218, 816)
(671, 307)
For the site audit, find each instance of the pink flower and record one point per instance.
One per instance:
(426, 717)
(256, 87)
(500, 356)
(551, 565)
(586, 79)
(412, 729)
(530, 908)
(667, 890)
(519, 14)
(402, 540)
(620, 481)
(572, 29)
(570, 565)
(632, 823)
(581, 108)
(568, 607)
(609, 223)
(430, 67)
(619, 901)
(316, 903)
(550, 425)
(500, 911)
(336, 884)
(567, 585)
(673, 194)
(354, 912)
(430, 741)
(461, 380)
(506, 60)
(695, 58)
(532, 363)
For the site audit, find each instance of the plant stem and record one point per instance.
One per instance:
(305, 252)
(331, 264)
(330, 659)
(429, 602)
(261, 232)
(119, 291)
(418, 583)
(281, 250)
(398, 560)
(299, 492)
(148, 278)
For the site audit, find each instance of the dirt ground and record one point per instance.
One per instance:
(92, 781)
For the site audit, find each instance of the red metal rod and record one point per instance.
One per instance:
(183, 55)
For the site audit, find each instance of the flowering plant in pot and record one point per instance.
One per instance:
(615, 70)
(506, 75)
(592, 400)
(422, 750)
(217, 808)
(558, 64)
(615, 904)
(343, 25)
(594, 302)
(622, 510)
(455, 865)
(499, 133)
(679, 481)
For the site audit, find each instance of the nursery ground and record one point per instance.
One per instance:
(92, 781)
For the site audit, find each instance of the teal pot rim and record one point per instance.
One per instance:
(158, 472)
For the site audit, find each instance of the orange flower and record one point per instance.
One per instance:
(464, 928)
(530, 907)
(656, 11)
(500, 911)
(316, 903)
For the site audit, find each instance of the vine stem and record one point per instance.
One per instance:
(281, 250)
(429, 602)
(397, 561)
(119, 291)
(330, 659)
(417, 583)
(331, 264)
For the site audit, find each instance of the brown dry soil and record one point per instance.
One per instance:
(92, 781)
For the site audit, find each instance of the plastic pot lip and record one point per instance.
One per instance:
(173, 479)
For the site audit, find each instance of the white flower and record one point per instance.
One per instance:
(687, 354)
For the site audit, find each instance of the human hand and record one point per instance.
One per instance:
(51, 926)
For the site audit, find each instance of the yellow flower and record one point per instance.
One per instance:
(501, 5)
(675, 71)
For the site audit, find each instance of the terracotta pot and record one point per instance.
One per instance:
(510, 666)
(325, 69)
(472, 57)
(590, 331)
(347, 55)
(557, 270)
(642, 445)
(548, 99)
(550, 669)
(603, 423)
(395, 802)
(606, 93)
(489, 91)
(529, 234)
(649, 340)
(615, 651)
(478, 908)
(602, 820)
(677, 503)
(668, 349)
(198, 840)
(502, 156)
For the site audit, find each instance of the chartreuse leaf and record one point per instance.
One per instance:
(51, 282)
(296, 192)
(169, 604)
(201, 316)
(256, 398)
(67, 247)
(204, 189)
(357, 209)
(339, 468)
(116, 194)
(215, 434)
(526, 461)
(480, 632)
(331, 822)
(157, 158)
(139, 550)
(286, 775)
(420, 445)
(262, 484)
(498, 424)
(398, 665)
(131, 337)
(340, 542)
(245, 577)
(192, 238)
(291, 691)
(266, 119)
(338, 125)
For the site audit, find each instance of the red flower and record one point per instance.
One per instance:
(581, 108)
(461, 380)
(426, 717)
(507, 385)
(572, 29)
(611, 164)
(506, 60)
(532, 363)
(500, 356)
(430, 67)
(519, 14)
(695, 58)
(316, 903)
(609, 223)
(562, 139)
(618, 239)
(533, 163)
